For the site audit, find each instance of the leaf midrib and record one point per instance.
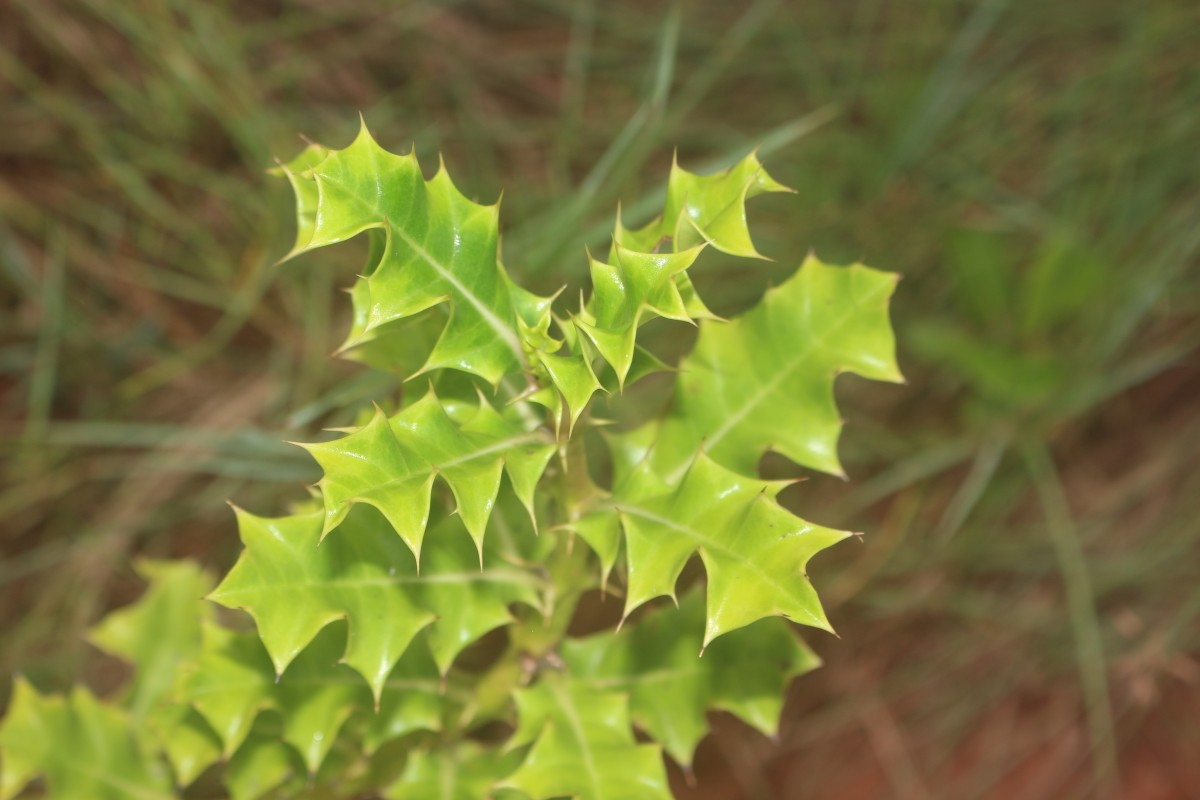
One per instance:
(801, 356)
(506, 332)
(718, 547)
(572, 717)
(500, 575)
(414, 473)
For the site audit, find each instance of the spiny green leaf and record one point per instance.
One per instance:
(705, 208)
(293, 588)
(83, 748)
(440, 248)
(391, 463)
(634, 287)
(583, 746)
(754, 551)
(645, 275)
(670, 687)
(159, 631)
(234, 680)
(466, 772)
(765, 381)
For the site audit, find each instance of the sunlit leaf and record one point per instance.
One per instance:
(755, 552)
(294, 585)
(391, 464)
(765, 380)
(439, 248)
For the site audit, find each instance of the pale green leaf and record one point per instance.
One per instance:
(583, 746)
(440, 248)
(765, 381)
(705, 208)
(293, 588)
(657, 662)
(260, 766)
(391, 464)
(159, 631)
(84, 749)
(467, 772)
(185, 738)
(634, 287)
(234, 681)
(755, 552)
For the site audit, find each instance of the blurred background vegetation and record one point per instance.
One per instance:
(1023, 617)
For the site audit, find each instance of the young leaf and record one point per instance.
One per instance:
(84, 748)
(705, 208)
(294, 588)
(765, 381)
(627, 291)
(670, 687)
(583, 746)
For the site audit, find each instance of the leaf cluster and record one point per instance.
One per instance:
(411, 621)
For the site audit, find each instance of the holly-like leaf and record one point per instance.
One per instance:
(234, 680)
(466, 772)
(645, 274)
(765, 381)
(706, 208)
(159, 631)
(634, 287)
(583, 745)
(670, 686)
(83, 748)
(391, 464)
(755, 552)
(439, 248)
(293, 585)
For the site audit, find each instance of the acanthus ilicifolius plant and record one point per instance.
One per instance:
(475, 507)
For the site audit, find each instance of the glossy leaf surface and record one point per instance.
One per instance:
(439, 248)
(377, 667)
(755, 552)
(294, 587)
(391, 464)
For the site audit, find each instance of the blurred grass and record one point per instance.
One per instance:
(1022, 620)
